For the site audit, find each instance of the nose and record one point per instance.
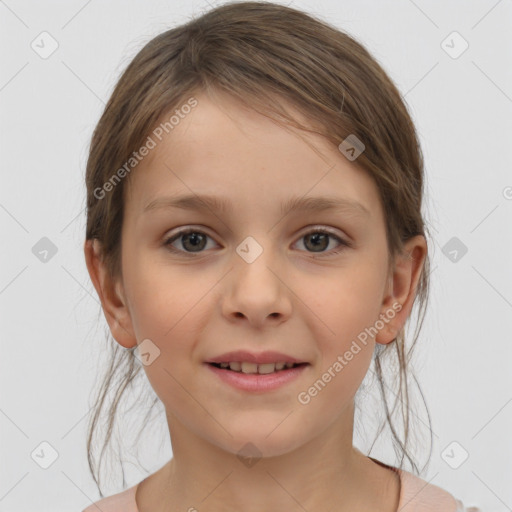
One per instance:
(256, 291)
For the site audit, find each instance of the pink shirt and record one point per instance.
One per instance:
(416, 495)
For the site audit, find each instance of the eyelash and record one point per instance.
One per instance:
(343, 243)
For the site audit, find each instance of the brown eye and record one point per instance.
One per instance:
(192, 241)
(318, 241)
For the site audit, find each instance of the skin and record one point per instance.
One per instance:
(307, 304)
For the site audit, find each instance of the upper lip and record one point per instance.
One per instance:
(252, 357)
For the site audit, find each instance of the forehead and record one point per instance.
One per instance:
(222, 148)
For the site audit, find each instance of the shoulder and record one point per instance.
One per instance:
(121, 502)
(418, 495)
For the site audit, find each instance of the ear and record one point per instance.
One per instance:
(401, 288)
(111, 294)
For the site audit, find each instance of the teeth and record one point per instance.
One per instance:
(249, 368)
(266, 368)
(262, 369)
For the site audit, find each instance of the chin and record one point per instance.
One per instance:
(253, 443)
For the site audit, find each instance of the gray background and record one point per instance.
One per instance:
(50, 333)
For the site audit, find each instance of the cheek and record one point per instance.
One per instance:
(162, 296)
(172, 324)
(344, 303)
(170, 308)
(331, 389)
(347, 306)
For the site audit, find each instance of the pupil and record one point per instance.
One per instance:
(195, 239)
(316, 238)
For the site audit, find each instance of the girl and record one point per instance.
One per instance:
(254, 233)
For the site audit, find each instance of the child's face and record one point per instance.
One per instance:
(207, 299)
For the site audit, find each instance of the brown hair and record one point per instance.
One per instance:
(261, 53)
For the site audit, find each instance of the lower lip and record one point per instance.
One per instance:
(257, 381)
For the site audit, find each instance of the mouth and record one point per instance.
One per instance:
(257, 378)
(249, 368)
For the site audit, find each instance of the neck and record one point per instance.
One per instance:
(337, 476)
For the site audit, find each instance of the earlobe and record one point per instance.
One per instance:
(401, 289)
(111, 295)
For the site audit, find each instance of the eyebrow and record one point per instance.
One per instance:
(294, 204)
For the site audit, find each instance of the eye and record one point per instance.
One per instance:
(194, 241)
(318, 239)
